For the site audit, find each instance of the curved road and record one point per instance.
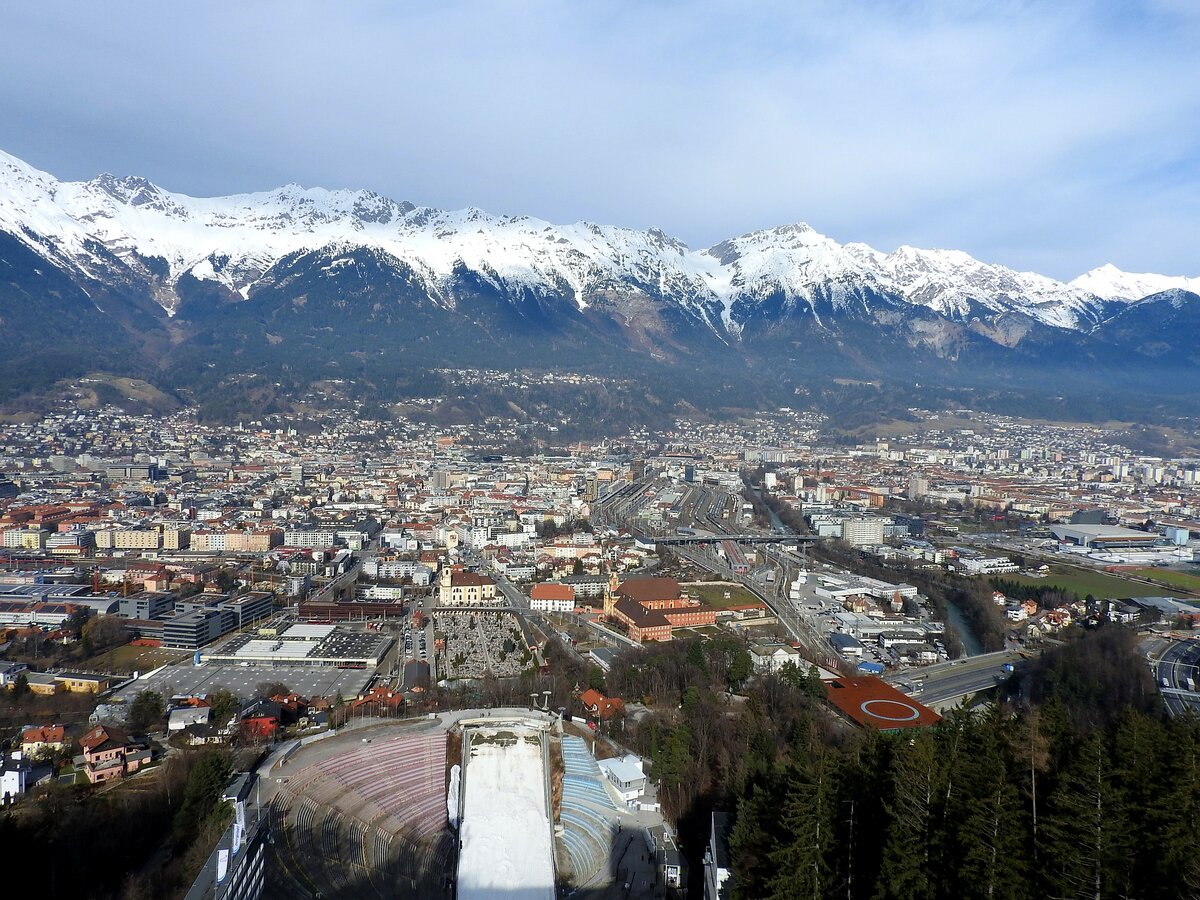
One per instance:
(1172, 660)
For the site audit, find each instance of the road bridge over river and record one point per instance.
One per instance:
(944, 684)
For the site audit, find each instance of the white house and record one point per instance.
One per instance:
(771, 657)
(14, 777)
(186, 716)
(626, 775)
(541, 604)
(9, 673)
(987, 565)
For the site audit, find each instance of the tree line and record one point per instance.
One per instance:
(1074, 785)
(996, 805)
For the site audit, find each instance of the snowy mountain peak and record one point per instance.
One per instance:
(1176, 298)
(21, 185)
(1110, 283)
(235, 240)
(131, 189)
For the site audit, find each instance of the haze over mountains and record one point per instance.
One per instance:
(121, 275)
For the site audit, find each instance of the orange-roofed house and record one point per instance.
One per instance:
(549, 597)
(596, 704)
(379, 701)
(43, 739)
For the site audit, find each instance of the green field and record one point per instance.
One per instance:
(128, 659)
(714, 594)
(1183, 580)
(1098, 584)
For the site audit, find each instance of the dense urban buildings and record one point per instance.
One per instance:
(272, 581)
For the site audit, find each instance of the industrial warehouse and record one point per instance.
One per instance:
(1109, 537)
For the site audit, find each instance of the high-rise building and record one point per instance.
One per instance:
(918, 487)
(862, 532)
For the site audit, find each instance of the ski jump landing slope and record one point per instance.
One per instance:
(507, 850)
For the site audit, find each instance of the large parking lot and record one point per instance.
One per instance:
(243, 681)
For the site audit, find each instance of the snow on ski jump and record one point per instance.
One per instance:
(505, 832)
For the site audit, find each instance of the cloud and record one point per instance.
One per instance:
(1046, 136)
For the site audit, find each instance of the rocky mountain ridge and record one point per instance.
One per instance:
(302, 283)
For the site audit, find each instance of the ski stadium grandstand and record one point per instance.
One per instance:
(587, 816)
(373, 813)
(370, 822)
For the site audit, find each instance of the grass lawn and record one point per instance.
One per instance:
(714, 594)
(1098, 584)
(1185, 580)
(129, 658)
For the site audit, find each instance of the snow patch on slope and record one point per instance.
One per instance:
(507, 848)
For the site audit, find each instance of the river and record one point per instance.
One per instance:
(776, 522)
(969, 639)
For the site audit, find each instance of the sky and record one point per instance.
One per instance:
(1052, 137)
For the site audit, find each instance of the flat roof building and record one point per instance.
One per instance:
(1111, 537)
(147, 605)
(201, 619)
(872, 702)
(304, 645)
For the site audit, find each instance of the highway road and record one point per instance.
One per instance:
(944, 683)
(1172, 660)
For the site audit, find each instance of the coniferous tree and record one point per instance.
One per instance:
(988, 852)
(917, 783)
(1175, 868)
(753, 839)
(1030, 748)
(1085, 829)
(801, 863)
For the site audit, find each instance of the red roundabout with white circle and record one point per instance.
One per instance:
(907, 713)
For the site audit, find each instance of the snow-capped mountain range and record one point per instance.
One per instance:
(160, 237)
(247, 303)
